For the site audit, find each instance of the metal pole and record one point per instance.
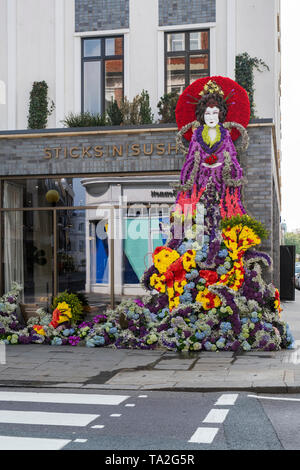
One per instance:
(112, 259)
(54, 252)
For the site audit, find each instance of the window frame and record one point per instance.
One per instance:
(187, 53)
(102, 60)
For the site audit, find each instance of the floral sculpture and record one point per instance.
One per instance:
(205, 288)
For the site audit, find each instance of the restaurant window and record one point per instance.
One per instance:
(102, 73)
(186, 58)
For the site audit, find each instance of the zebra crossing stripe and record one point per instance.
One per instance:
(65, 398)
(46, 418)
(204, 435)
(227, 399)
(30, 443)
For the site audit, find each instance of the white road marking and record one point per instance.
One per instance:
(274, 398)
(66, 398)
(45, 418)
(98, 426)
(143, 396)
(80, 440)
(216, 416)
(204, 435)
(227, 399)
(115, 415)
(130, 404)
(30, 443)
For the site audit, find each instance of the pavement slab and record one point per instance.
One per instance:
(115, 369)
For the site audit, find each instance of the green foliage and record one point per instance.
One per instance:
(74, 303)
(245, 220)
(146, 115)
(85, 119)
(166, 107)
(244, 68)
(292, 238)
(114, 114)
(39, 107)
(135, 112)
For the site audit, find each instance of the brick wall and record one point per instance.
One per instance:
(177, 12)
(95, 15)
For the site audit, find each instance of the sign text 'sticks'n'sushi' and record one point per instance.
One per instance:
(120, 150)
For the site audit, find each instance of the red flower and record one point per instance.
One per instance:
(211, 159)
(211, 277)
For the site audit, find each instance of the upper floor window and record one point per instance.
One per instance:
(186, 58)
(102, 73)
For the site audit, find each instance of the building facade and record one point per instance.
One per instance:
(88, 52)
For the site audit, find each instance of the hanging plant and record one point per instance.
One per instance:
(40, 106)
(244, 75)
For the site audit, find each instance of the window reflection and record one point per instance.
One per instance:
(113, 81)
(187, 59)
(175, 42)
(92, 48)
(175, 74)
(92, 87)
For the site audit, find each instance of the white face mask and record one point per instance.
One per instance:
(211, 116)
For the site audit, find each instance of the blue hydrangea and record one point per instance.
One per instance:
(221, 270)
(186, 297)
(190, 285)
(191, 275)
(199, 257)
(208, 345)
(220, 343)
(246, 346)
(200, 335)
(223, 253)
(99, 340)
(90, 343)
(113, 330)
(268, 326)
(225, 326)
(56, 341)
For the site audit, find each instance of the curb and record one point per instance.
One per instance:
(272, 389)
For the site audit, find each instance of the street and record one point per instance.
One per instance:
(44, 419)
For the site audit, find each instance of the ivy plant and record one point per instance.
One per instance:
(40, 107)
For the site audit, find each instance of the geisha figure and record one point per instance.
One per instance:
(217, 278)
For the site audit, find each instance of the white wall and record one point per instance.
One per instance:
(3, 62)
(143, 38)
(256, 34)
(47, 48)
(35, 53)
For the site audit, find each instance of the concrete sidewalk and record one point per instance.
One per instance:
(110, 369)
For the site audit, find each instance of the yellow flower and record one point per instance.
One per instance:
(39, 329)
(188, 260)
(65, 312)
(164, 259)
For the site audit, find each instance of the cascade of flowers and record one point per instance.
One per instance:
(205, 289)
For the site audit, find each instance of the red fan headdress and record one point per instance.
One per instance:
(233, 94)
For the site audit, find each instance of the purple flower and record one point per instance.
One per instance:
(74, 340)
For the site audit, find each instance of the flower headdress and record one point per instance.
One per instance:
(222, 87)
